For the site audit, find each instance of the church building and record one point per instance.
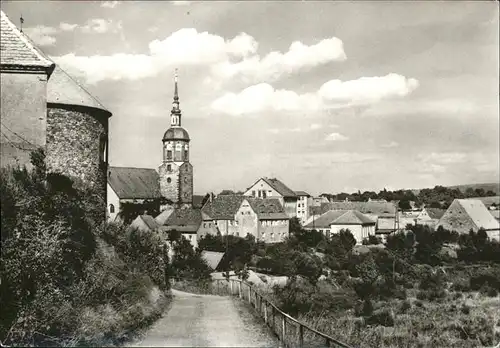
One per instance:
(173, 182)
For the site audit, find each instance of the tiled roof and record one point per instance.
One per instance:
(185, 219)
(479, 214)
(164, 215)
(302, 193)
(340, 217)
(280, 187)
(134, 183)
(268, 208)
(197, 201)
(212, 258)
(150, 221)
(18, 52)
(373, 208)
(223, 207)
(435, 213)
(488, 201)
(63, 89)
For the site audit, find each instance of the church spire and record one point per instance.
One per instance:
(176, 111)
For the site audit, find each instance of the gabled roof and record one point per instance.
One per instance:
(302, 193)
(134, 183)
(212, 258)
(149, 221)
(63, 89)
(164, 215)
(280, 187)
(479, 214)
(186, 219)
(435, 213)
(197, 201)
(370, 207)
(18, 52)
(223, 207)
(340, 217)
(268, 208)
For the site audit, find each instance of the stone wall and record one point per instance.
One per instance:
(186, 183)
(77, 144)
(23, 99)
(170, 189)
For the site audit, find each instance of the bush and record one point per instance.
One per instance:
(405, 306)
(490, 277)
(382, 317)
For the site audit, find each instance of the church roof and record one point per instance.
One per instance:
(63, 89)
(176, 133)
(18, 52)
(134, 183)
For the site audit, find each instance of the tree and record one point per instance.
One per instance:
(404, 205)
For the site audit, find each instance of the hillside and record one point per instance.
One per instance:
(495, 187)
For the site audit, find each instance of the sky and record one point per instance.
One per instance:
(326, 96)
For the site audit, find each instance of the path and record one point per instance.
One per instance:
(207, 321)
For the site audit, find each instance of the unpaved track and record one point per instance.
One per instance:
(206, 321)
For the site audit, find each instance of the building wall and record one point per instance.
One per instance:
(207, 227)
(23, 100)
(112, 200)
(290, 205)
(228, 227)
(263, 186)
(192, 238)
(169, 181)
(273, 231)
(303, 204)
(186, 183)
(247, 220)
(77, 139)
(359, 232)
(457, 219)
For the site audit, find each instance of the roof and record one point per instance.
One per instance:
(164, 215)
(176, 133)
(197, 201)
(280, 187)
(340, 217)
(435, 213)
(134, 183)
(186, 219)
(479, 214)
(18, 52)
(212, 258)
(268, 208)
(63, 89)
(223, 207)
(302, 193)
(495, 214)
(371, 207)
(149, 221)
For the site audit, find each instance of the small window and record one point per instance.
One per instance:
(169, 180)
(253, 193)
(186, 154)
(169, 167)
(111, 208)
(169, 154)
(185, 179)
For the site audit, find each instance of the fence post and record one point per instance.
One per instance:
(283, 326)
(265, 312)
(218, 287)
(249, 294)
(239, 289)
(231, 286)
(301, 336)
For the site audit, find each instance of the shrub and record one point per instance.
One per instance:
(465, 309)
(491, 277)
(383, 317)
(405, 306)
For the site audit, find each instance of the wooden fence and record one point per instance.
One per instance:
(289, 331)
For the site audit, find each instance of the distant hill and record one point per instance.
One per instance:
(495, 187)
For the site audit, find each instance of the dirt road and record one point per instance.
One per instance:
(206, 321)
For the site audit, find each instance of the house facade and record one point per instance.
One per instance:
(274, 188)
(303, 203)
(333, 221)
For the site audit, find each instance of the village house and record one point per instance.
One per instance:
(274, 188)
(144, 223)
(303, 203)
(430, 216)
(44, 107)
(464, 215)
(333, 221)
(221, 212)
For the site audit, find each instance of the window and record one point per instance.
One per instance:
(185, 179)
(270, 193)
(169, 154)
(111, 208)
(186, 154)
(272, 236)
(169, 167)
(263, 194)
(253, 193)
(263, 235)
(169, 180)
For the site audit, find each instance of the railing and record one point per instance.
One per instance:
(291, 332)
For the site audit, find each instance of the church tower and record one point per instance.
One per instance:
(176, 173)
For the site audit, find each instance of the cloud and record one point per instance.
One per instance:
(42, 35)
(67, 26)
(315, 126)
(110, 4)
(225, 59)
(391, 144)
(336, 137)
(101, 26)
(443, 157)
(180, 3)
(364, 91)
